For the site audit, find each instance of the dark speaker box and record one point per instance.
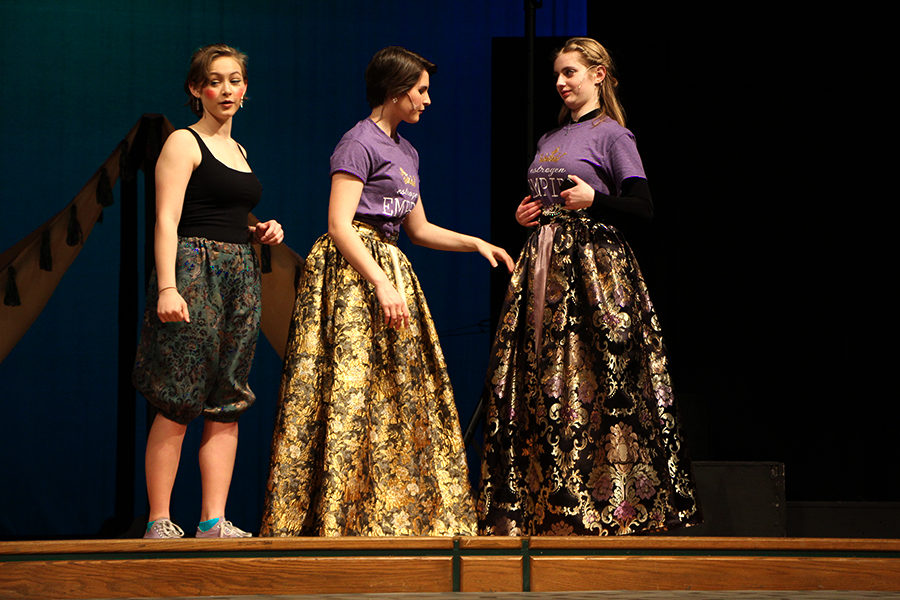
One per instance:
(741, 499)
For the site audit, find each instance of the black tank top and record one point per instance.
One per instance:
(217, 200)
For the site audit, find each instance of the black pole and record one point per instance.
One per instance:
(140, 155)
(127, 340)
(530, 7)
(153, 148)
(530, 33)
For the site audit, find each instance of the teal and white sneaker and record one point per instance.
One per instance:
(163, 529)
(222, 529)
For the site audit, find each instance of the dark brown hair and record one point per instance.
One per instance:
(198, 72)
(392, 71)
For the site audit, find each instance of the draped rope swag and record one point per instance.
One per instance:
(31, 269)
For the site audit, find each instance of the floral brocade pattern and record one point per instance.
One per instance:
(367, 437)
(581, 434)
(186, 370)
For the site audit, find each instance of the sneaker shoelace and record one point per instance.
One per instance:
(167, 528)
(229, 530)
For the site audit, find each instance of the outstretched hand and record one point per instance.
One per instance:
(495, 255)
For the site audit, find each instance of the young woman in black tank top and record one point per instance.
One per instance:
(202, 318)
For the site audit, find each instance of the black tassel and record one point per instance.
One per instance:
(104, 189)
(11, 298)
(73, 234)
(46, 259)
(298, 273)
(265, 254)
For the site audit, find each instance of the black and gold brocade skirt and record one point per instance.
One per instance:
(367, 438)
(581, 433)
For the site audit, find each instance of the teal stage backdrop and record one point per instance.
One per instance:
(76, 77)
(769, 260)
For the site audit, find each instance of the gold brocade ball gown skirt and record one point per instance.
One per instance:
(581, 433)
(367, 438)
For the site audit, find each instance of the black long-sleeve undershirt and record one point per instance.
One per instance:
(635, 200)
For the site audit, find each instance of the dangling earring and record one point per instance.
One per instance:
(242, 103)
(196, 105)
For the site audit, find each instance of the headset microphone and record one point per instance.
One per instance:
(583, 77)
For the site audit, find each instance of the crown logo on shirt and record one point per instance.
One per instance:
(551, 156)
(407, 178)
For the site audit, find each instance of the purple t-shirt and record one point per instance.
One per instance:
(603, 153)
(389, 169)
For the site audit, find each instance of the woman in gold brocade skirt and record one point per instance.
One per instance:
(367, 438)
(581, 433)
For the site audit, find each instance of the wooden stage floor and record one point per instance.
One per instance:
(435, 568)
(616, 595)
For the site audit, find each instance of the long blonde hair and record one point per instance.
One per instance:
(593, 54)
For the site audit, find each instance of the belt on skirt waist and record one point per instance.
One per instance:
(555, 213)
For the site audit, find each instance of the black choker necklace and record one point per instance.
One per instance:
(585, 117)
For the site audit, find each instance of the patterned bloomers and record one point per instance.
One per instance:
(201, 367)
